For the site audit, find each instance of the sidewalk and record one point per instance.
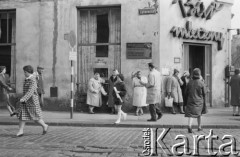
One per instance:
(215, 118)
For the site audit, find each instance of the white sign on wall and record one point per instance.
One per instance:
(73, 55)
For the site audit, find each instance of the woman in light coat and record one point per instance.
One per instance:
(95, 89)
(139, 92)
(174, 91)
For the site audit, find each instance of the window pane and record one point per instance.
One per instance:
(102, 28)
(102, 51)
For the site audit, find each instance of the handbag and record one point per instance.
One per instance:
(168, 101)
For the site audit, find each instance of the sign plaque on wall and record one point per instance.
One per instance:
(139, 50)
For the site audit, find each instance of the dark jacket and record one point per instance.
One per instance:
(4, 85)
(40, 85)
(122, 88)
(195, 93)
(235, 90)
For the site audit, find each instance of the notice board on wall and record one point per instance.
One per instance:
(139, 50)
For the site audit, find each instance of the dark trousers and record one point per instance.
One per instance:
(154, 109)
(40, 100)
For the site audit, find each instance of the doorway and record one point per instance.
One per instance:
(199, 56)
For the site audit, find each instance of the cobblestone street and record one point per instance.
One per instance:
(92, 141)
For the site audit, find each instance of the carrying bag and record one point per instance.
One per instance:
(168, 101)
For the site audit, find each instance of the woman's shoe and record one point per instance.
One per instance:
(14, 113)
(200, 129)
(136, 114)
(45, 131)
(117, 122)
(189, 130)
(91, 112)
(19, 134)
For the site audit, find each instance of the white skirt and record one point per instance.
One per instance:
(139, 96)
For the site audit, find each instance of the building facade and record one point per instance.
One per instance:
(115, 34)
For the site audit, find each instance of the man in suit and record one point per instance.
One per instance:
(40, 84)
(153, 92)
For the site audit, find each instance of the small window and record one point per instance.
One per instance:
(102, 35)
(102, 71)
(5, 28)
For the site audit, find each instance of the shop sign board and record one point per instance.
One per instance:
(139, 50)
(73, 55)
(198, 9)
(152, 8)
(147, 11)
(198, 34)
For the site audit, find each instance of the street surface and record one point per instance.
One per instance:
(63, 141)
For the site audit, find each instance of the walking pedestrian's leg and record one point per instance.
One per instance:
(173, 108)
(199, 123)
(190, 124)
(234, 110)
(123, 114)
(9, 110)
(43, 124)
(158, 111)
(141, 110)
(91, 109)
(181, 108)
(21, 127)
(138, 108)
(152, 110)
(118, 114)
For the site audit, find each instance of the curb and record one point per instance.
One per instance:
(128, 125)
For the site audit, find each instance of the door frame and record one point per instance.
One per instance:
(210, 62)
(80, 45)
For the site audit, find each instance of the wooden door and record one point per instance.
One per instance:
(208, 74)
(99, 40)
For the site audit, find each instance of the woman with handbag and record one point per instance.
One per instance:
(195, 92)
(94, 93)
(4, 88)
(30, 104)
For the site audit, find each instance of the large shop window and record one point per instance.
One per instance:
(8, 42)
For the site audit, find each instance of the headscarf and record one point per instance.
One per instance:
(2, 68)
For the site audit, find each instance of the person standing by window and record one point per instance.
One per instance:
(40, 84)
(95, 89)
(4, 88)
(185, 79)
(139, 92)
(174, 91)
(30, 105)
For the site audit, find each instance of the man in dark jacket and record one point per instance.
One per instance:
(40, 84)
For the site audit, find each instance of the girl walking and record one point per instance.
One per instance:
(119, 93)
